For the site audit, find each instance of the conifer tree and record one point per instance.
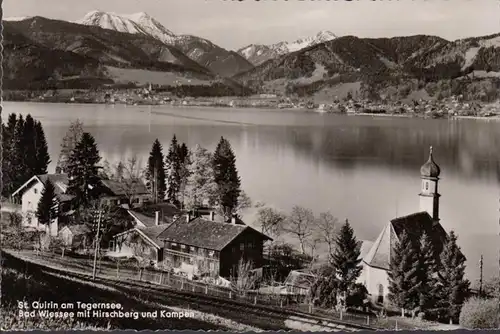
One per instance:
(403, 274)
(155, 173)
(18, 161)
(42, 157)
(173, 169)
(70, 139)
(185, 162)
(8, 154)
(47, 206)
(83, 171)
(346, 260)
(427, 271)
(452, 287)
(29, 146)
(226, 177)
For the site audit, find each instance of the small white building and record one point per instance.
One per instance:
(111, 193)
(75, 235)
(30, 193)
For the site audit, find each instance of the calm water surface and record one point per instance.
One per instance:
(361, 168)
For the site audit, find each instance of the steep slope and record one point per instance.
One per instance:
(108, 47)
(218, 60)
(28, 65)
(258, 53)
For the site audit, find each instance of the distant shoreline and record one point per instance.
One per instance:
(226, 102)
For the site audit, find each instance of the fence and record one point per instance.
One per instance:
(110, 269)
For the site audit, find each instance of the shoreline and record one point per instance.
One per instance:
(264, 108)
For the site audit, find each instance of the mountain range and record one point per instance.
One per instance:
(259, 53)
(111, 48)
(390, 67)
(218, 60)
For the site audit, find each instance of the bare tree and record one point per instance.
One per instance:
(243, 279)
(244, 202)
(129, 177)
(300, 224)
(271, 221)
(326, 228)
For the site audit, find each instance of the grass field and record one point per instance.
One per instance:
(22, 281)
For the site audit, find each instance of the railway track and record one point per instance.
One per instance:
(275, 319)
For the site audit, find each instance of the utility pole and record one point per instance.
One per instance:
(481, 276)
(96, 244)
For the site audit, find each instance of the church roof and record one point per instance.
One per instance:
(415, 224)
(430, 168)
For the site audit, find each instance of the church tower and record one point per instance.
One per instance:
(429, 196)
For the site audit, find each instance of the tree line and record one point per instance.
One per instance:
(25, 151)
(423, 281)
(191, 179)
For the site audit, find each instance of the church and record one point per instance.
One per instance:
(376, 261)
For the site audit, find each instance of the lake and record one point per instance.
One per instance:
(363, 168)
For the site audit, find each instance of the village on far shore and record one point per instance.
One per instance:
(155, 95)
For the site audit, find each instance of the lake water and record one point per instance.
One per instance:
(366, 169)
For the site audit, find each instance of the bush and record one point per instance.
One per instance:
(480, 313)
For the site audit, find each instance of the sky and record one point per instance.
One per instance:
(233, 24)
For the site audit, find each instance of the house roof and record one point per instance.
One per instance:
(78, 229)
(414, 224)
(204, 233)
(299, 279)
(147, 214)
(60, 182)
(153, 233)
(148, 233)
(118, 188)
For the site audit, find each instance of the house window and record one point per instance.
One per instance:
(249, 245)
(211, 253)
(242, 246)
(35, 191)
(183, 246)
(426, 185)
(212, 266)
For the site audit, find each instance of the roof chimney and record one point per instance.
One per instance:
(212, 216)
(188, 216)
(233, 220)
(157, 218)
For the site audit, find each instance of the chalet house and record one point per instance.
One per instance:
(116, 193)
(211, 247)
(75, 236)
(29, 194)
(142, 240)
(376, 262)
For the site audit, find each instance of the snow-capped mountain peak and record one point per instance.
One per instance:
(137, 23)
(257, 54)
(321, 37)
(16, 18)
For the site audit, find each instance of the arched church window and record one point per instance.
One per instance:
(380, 298)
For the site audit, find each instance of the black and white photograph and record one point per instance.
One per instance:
(250, 166)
